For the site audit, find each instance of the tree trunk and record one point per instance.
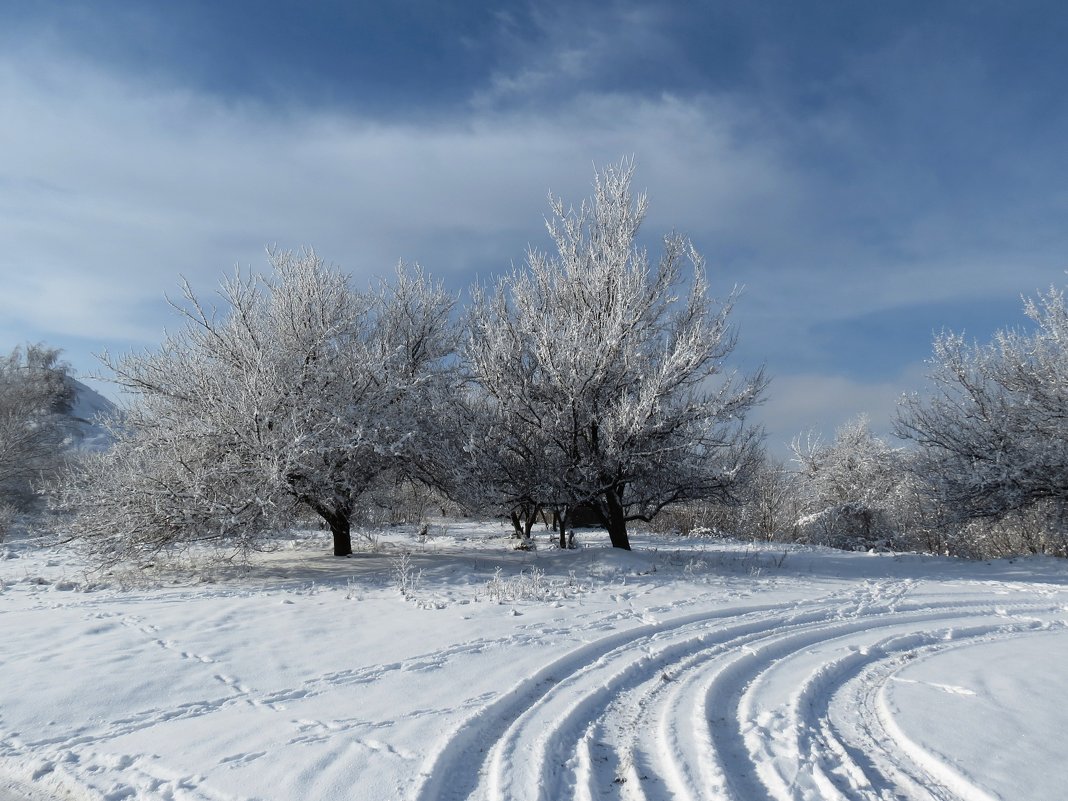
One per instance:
(340, 528)
(560, 518)
(617, 521)
(340, 522)
(340, 525)
(523, 521)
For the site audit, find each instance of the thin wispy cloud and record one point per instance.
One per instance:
(848, 168)
(133, 184)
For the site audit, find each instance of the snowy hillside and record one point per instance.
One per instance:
(687, 669)
(89, 410)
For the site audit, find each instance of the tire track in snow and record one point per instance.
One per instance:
(725, 704)
(800, 754)
(872, 732)
(454, 771)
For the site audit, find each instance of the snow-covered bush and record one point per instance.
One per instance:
(600, 375)
(850, 490)
(992, 432)
(396, 500)
(532, 585)
(766, 507)
(300, 393)
(770, 507)
(35, 395)
(1038, 529)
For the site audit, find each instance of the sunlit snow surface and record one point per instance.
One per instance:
(686, 669)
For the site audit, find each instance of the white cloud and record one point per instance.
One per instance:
(821, 403)
(111, 187)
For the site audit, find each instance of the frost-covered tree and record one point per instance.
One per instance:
(35, 397)
(602, 373)
(506, 465)
(851, 490)
(993, 429)
(770, 506)
(299, 393)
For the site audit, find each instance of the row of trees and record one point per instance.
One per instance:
(591, 378)
(987, 473)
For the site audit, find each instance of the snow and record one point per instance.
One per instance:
(87, 412)
(687, 668)
(962, 706)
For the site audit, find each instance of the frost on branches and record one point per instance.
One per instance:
(993, 431)
(299, 394)
(35, 395)
(599, 373)
(852, 491)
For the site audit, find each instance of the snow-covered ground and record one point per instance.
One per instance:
(686, 669)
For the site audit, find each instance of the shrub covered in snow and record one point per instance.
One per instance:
(851, 491)
(35, 396)
(992, 433)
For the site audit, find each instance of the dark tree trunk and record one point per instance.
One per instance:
(339, 518)
(340, 523)
(560, 519)
(340, 528)
(523, 521)
(617, 520)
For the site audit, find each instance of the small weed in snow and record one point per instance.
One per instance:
(372, 539)
(534, 583)
(306, 588)
(352, 590)
(752, 562)
(573, 584)
(531, 585)
(695, 566)
(496, 588)
(405, 577)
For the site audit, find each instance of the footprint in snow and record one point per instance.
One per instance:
(237, 760)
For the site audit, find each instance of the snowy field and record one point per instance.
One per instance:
(687, 669)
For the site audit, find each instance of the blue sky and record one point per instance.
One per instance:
(869, 172)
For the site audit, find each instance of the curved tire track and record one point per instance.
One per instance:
(729, 704)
